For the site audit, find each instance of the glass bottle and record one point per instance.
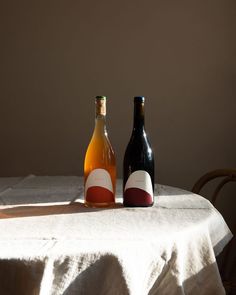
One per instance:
(138, 164)
(100, 163)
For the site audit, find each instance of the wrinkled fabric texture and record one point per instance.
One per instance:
(50, 243)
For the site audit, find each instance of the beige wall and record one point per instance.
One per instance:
(56, 56)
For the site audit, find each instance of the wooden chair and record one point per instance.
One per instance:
(226, 175)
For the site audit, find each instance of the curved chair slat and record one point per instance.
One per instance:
(228, 175)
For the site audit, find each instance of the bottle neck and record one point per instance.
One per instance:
(100, 124)
(100, 116)
(138, 117)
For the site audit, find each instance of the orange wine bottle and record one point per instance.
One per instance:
(100, 163)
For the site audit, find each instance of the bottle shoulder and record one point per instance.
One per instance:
(100, 143)
(139, 149)
(139, 140)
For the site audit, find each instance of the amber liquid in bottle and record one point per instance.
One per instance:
(100, 163)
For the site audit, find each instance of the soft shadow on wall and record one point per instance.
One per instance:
(57, 56)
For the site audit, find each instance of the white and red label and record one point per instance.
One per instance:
(138, 188)
(98, 187)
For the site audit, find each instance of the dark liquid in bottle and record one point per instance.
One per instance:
(138, 165)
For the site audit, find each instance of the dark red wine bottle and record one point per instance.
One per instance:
(138, 165)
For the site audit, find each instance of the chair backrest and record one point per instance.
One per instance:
(228, 175)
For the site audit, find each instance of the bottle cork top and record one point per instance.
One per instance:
(139, 99)
(102, 97)
(100, 105)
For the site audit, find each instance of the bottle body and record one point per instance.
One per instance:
(100, 163)
(138, 164)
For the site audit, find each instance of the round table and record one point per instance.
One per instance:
(50, 243)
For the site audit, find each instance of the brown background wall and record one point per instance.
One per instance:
(56, 56)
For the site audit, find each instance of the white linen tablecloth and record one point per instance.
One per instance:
(50, 243)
